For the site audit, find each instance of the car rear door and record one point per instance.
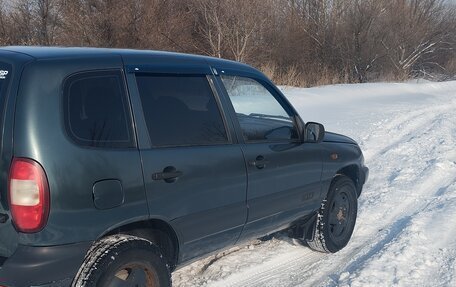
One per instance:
(283, 172)
(194, 175)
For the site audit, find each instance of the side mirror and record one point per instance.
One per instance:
(314, 132)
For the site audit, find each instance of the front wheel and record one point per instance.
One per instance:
(336, 218)
(123, 261)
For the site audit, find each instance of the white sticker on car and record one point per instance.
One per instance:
(3, 74)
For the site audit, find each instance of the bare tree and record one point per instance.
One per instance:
(361, 38)
(297, 42)
(48, 20)
(33, 21)
(420, 31)
(4, 25)
(21, 16)
(228, 27)
(92, 22)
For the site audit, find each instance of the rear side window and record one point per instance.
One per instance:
(180, 110)
(96, 110)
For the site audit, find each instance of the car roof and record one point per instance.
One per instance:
(41, 53)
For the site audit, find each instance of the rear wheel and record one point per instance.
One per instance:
(336, 218)
(123, 261)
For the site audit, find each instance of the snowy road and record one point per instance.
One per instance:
(406, 228)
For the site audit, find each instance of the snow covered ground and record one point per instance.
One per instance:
(406, 229)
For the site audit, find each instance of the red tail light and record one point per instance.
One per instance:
(28, 192)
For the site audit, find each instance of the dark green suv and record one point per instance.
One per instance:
(117, 166)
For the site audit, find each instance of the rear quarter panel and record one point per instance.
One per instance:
(72, 170)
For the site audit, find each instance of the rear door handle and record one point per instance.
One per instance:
(260, 162)
(169, 174)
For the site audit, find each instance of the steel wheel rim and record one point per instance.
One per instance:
(135, 275)
(339, 218)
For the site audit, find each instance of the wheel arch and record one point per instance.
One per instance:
(352, 172)
(156, 230)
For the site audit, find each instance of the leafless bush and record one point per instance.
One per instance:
(295, 42)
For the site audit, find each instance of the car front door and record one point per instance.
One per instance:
(283, 172)
(194, 175)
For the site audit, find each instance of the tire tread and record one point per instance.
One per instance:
(96, 256)
(318, 241)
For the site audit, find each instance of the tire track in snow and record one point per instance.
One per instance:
(403, 127)
(265, 274)
(321, 269)
(423, 247)
(431, 119)
(428, 192)
(393, 197)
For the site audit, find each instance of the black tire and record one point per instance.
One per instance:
(336, 218)
(123, 260)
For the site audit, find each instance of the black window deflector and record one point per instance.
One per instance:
(170, 69)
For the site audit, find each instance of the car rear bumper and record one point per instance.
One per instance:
(43, 266)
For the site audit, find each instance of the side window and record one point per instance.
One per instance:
(261, 116)
(96, 110)
(180, 110)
